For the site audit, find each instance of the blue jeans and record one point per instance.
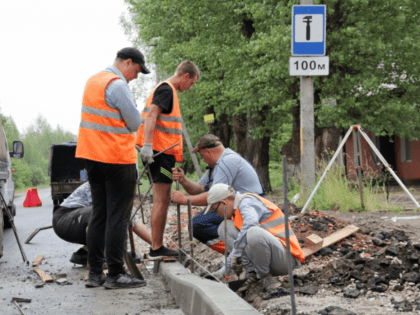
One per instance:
(205, 226)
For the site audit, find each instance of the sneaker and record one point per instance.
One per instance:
(95, 280)
(79, 258)
(269, 283)
(123, 281)
(251, 278)
(162, 253)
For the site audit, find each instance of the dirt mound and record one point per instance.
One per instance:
(376, 268)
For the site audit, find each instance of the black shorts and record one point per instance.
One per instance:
(161, 168)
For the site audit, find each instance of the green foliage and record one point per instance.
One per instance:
(336, 192)
(242, 49)
(37, 139)
(22, 175)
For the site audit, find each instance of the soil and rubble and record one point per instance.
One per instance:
(374, 271)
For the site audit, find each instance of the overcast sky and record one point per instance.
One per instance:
(48, 50)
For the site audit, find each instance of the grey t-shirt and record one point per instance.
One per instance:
(233, 170)
(82, 197)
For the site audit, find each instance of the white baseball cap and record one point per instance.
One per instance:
(216, 193)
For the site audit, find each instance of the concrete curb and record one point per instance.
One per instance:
(195, 295)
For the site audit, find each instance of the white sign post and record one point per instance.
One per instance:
(309, 28)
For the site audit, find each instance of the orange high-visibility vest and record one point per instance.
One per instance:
(168, 129)
(103, 134)
(217, 245)
(274, 224)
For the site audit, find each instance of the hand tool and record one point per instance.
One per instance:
(150, 179)
(9, 215)
(133, 254)
(36, 232)
(129, 261)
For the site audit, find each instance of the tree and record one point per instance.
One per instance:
(373, 81)
(242, 49)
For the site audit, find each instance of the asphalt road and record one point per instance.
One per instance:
(17, 279)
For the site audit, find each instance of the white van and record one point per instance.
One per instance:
(7, 186)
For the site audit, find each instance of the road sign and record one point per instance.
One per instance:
(309, 29)
(309, 66)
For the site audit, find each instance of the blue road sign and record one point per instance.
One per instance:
(309, 30)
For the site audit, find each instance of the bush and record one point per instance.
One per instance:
(22, 175)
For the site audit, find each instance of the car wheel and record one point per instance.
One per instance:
(7, 224)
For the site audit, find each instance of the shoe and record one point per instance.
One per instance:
(95, 280)
(79, 259)
(269, 283)
(123, 281)
(162, 253)
(251, 278)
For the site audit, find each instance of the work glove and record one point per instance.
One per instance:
(236, 265)
(146, 153)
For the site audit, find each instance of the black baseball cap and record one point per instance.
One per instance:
(135, 55)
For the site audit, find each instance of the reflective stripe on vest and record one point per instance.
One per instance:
(275, 224)
(103, 134)
(168, 128)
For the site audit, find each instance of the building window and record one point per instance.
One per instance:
(405, 150)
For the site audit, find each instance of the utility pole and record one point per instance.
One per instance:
(307, 126)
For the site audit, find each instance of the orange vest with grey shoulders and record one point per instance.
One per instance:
(103, 134)
(168, 129)
(274, 224)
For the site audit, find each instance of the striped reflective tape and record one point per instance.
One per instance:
(101, 112)
(104, 128)
(165, 172)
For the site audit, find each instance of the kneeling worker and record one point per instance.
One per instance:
(256, 234)
(71, 219)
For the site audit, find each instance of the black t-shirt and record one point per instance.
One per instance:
(164, 98)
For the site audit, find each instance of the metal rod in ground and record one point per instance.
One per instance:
(286, 222)
(357, 148)
(226, 250)
(178, 213)
(190, 233)
(388, 167)
(9, 215)
(328, 168)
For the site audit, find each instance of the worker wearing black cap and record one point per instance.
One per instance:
(107, 143)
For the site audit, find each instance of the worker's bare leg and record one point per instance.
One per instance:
(141, 231)
(161, 200)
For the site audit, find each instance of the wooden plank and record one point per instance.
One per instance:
(332, 239)
(44, 277)
(313, 242)
(37, 260)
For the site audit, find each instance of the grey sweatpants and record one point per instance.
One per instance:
(264, 253)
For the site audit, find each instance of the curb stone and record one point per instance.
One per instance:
(195, 295)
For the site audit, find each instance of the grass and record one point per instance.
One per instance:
(337, 192)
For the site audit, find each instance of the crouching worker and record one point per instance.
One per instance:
(255, 234)
(71, 219)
